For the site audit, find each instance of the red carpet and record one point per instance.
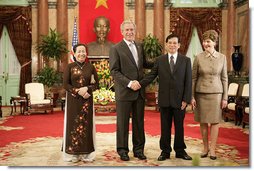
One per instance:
(44, 125)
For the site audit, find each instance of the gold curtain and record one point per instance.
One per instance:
(182, 21)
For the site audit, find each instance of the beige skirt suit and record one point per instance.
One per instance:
(209, 86)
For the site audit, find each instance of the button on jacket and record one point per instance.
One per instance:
(209, 74)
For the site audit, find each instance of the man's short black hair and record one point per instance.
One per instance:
(172, 36)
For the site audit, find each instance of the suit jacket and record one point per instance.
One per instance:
(123, 68)
(209, 74)
(173, 87)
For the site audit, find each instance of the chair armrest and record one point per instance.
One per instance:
(246, 102)
(48, 96)
(28, 98)
(232, 99)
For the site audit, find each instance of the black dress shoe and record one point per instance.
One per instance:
(184, 156)
(203, 155)
(124, 157)
(163, 157)
(140, 156)
(213, 157)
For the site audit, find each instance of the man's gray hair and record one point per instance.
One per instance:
(127, 22)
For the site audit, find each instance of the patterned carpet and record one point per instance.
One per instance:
(46, 151)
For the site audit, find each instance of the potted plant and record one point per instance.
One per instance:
(152, 49)
(48, 77)
(51, 47)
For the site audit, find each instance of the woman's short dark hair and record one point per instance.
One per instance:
(77, 45)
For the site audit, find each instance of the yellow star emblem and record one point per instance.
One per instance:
(101, 3)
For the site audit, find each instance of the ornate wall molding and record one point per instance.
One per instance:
(52, 4)
(239, 3)
(223, 4)
(149, 5)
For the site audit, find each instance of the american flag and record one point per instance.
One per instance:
(74, 39)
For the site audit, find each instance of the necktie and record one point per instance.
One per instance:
(134, 52)
(171, 63)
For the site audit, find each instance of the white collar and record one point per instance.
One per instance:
(128, 42)
(174, 55)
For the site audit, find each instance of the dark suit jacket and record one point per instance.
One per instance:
(173, 87)
(124, 69)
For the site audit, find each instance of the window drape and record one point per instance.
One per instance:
(18, 22)
(183, 20)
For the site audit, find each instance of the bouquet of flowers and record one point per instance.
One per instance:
(102, 68)
(103, 96)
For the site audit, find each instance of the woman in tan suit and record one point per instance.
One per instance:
(209, 91)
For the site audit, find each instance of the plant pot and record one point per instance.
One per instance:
(151, 98)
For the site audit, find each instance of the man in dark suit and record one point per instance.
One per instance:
(126, 62)
(174, 72)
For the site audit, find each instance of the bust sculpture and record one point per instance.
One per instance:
(101, 46)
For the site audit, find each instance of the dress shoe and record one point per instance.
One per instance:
(213, 157)
(184, 156)
(75, 159)
(124, 157)
(140, 156)
(203, 155)
(163, 157)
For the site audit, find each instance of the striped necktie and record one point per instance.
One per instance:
(134, 52)
(171, 63)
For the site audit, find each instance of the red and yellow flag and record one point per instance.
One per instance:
(90, 9)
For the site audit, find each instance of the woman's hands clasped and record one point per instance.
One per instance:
(83, 92)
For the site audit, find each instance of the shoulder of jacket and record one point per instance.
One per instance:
(201, 54)
(163, 56)
(71, 64)
(180, 56)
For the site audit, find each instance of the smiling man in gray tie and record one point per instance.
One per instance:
(126, 62)
(174, 72)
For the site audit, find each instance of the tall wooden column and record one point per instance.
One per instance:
(230, 32)
(140, 19)
(43, 25)
(62, 28)
(159, 20)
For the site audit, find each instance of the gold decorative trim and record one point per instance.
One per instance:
(52, 5)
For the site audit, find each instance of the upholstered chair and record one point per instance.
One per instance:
(230, 111)
(36, 98)
(246, 107)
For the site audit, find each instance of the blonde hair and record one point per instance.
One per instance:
(211, 34)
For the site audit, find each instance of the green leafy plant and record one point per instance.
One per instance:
(48, 76)
(152, 47)
(52, 45)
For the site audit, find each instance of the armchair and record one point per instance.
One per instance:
(246, 107)
(230, 111)
(36, 100)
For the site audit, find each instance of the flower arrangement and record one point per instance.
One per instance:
(103, 96)
(102, 68)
